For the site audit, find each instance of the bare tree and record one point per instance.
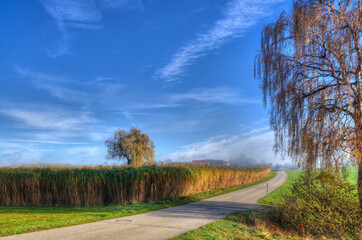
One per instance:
(310, 69)
(134, 146)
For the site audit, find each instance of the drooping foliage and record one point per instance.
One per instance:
(134, 146)
(310, 70)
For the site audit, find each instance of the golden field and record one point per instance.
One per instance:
(88, 186)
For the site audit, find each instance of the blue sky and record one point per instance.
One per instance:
(72, 71)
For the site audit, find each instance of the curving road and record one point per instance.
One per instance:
(165, 223)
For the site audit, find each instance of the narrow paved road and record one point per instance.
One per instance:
(165, 223)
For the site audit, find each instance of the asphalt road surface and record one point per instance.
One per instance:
(165, 223)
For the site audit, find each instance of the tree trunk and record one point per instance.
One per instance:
(360, 183)
(358, 122)
(359, 162)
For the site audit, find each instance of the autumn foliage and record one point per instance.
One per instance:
(134, 146)
(310, 67)
(114, 185)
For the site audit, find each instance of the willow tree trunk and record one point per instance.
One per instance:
(359, 161)
(358, 146)
(360, 184)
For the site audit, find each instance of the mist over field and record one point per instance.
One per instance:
(245, 161)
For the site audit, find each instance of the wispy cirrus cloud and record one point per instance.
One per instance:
(108, 89)
(72, 91)
(38, 154)
(40, 141)
(54, 85)
(211, 96)
(69, 12)
(80, 14)
(46, 124)
(55, 119)
(222, 95)
(239, 16)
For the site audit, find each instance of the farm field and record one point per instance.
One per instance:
(239, 225)
(15, 220)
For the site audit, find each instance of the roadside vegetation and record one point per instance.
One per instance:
(16, 220)
(275, 197)
(324, 208)
(115, 185)
(242, 225)
(321, 203)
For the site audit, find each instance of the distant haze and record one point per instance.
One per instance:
(244, 161)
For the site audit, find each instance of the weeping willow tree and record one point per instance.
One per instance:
(310, 70)
(134, 146)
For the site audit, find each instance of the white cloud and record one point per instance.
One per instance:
(219, 95)
(46, 119)
(63, 93)
(37, 141)
(53, 84)
(87, 155)
(23, 154)
(153, 105)
(239, 16)
(79, 11)
(122, 4)
(212, 95)
(101, 133)
(80, 14)
(257, 146)
(110, 89)
(69, 90)
(33, 154)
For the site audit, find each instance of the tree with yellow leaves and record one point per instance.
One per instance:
(134, 146)
(310, 69)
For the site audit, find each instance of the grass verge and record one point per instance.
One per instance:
(241, 225)
(275, 197)
(16, 220)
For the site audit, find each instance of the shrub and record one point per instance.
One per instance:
(322, 203)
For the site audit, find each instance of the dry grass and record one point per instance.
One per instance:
(63, 186)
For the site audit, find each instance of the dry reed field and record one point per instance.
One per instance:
(90, 186)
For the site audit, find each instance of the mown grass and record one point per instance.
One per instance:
(16, 220)
(274, 197)
(352, 175)
(236, 227)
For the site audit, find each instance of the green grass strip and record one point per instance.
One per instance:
(16, 220)
(232, 228)
(274, 198)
